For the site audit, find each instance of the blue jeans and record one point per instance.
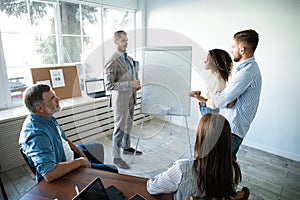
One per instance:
(236, 142)
(204, 110)
(95, 163)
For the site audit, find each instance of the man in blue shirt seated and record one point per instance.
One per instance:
(45, 143)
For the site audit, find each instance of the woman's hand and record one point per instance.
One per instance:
(194, 93)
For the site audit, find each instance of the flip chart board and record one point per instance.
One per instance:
(166, 80)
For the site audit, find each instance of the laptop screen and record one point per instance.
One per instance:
(94, 190)
(94, 86)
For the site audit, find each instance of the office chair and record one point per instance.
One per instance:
(3, 193)
(240, 195)
(32, 168)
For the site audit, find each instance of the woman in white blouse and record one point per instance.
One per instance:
(220, 65)
(212, 173)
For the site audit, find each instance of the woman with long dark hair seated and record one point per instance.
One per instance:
(212, 173)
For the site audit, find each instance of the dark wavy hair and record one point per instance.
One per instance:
(217, 172)
(222, 62)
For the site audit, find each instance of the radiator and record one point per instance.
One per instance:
(82, 123)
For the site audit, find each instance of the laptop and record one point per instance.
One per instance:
(95, 88)
(95, 190)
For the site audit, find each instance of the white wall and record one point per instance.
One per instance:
(207, 24)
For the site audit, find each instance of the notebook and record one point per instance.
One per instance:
(95, 88)
(95, 190)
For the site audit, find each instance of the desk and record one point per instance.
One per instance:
(64, 188)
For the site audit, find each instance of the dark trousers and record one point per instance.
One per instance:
(95, 163)
(236, 142)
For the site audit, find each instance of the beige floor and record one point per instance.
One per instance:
(160, 145)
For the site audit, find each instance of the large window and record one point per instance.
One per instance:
(50, 33)
(116, 19)
(28, 39)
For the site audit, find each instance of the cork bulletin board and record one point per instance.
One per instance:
(70, 87)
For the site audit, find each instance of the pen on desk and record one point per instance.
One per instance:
(76, 189)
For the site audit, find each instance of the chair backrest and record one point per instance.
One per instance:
(3, 193)
(32, 168)
(240, 195)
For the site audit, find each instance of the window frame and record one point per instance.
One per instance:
(5, 99)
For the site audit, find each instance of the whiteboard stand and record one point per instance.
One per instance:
(140, 133)
(188, 134)
(170, 124)
(138, 140)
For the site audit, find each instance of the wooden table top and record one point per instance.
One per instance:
(64, 188)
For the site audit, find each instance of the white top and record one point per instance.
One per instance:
(214, 84)
(67, 149)
(180, 179)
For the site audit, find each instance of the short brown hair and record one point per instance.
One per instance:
(248, 37)
(118, 34)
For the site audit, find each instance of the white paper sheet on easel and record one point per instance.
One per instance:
(57, 78)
